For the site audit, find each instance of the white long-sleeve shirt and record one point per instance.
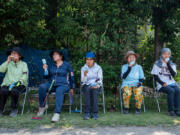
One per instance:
(94, 73)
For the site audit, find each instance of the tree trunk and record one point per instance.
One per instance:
(158, 44)
(51, 10)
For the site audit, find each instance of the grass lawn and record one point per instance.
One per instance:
(76, 120)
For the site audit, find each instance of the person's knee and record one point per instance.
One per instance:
(4, 91)
(126, 92)
(15, 92)
(61, 90)
(177, 89)
(170, 91)
(138, 91)
(43, 87)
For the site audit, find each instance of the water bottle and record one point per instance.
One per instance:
(11, 86)
(46, 70)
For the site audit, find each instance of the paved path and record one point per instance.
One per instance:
(96, 131)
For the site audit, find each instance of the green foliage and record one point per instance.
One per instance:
(178, 77)
(108, 28)
(23, 22)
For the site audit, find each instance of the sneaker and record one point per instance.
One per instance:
(171, 113)
(95, 116)
(1, 113)
(126, 111)
(138, 111)
(55, 117)
(13, 113)
(178, 113)
(86, 116)
(42, 111)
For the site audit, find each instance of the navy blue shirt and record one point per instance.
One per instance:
(63, 75)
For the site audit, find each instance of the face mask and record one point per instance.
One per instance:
(167, 59)
(132, 63)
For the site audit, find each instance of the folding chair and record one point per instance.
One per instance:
(24, 100)
(101, 92)
(121, 100)
(25, 96)
(156, 94)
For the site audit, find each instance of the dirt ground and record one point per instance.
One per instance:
(96, 131)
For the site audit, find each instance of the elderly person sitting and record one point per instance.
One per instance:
(15, 81)
(164, 71)
(133, 78)
(61, 78)
(91, 77)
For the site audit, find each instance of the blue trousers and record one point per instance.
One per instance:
(173, 97)
(90, 99)
(60, 90)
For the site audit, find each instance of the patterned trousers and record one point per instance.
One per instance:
(127, 92)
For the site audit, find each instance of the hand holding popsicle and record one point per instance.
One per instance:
(85, 71)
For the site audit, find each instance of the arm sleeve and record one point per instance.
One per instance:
(83, 78)
(3, 67)
(24, 78)
(171, 70)
(158, 80)
(71, 77)
(124, 75)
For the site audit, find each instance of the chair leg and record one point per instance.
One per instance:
(69, 109)
(104, 107)
(157, 101)
(120, 99)
(24, 102)
(80, 102)
(47, 103)
(159, 109)
(144, 106)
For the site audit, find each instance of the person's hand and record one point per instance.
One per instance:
(165, 85)
(9, 58)
(85, 73)
(72, 91)
(139, 84)
(130, 65)
(94, 87)
(45, 66)
(167, 59)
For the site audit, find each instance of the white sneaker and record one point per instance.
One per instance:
(41, 111)
(55, 117)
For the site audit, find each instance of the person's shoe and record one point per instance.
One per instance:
(1, 113)
(41, 111)
(171, 113)
(95, 116)
(126, 111)
(138, 111)
(55, 117)
(86, 116)
(178, 113)
(14, 113)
